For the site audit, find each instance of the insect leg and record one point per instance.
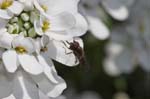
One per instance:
(67, 52)
(65, 44)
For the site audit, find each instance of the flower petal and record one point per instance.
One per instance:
(30, 64)
(1, 52)
(5, 40)
(110, 67)
(10, 97)
(144, 59)
(24, 87)
(58, 6)
(27, 43)
(116, 9)
(28, 4)
(98, 28)
(4, 14)
(49, 82)
(10, 60)
(125, 61)
(16, 7)
(57, 90)
(62, 21)
(44, 40)
(58, 51)
(5, 86)
(3, 23)
(63, 35)
(42, 95)
(47, 70)
(38, 28)
(80, 27)
(49, 88)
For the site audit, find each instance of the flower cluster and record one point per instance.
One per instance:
(32, 33)
(99, 14)
(129, 45)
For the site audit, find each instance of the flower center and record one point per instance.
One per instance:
(5, 4)
(22, 24)
(46, 25)
(20, 50)
(45, 8)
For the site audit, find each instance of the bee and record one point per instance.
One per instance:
(78, 51)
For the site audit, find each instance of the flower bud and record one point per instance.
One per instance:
(25, 17)
(31, 32)
(10, 28)
(27, 25)
(24, 33)
(16, 28)
(33, 16)
(13, 20)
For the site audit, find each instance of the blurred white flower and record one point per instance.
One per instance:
(134, 38)
(121, 95)
(71, 93)
(119, 60)
(109, 64)
(31, 35)
(97, 17)
(89, 95)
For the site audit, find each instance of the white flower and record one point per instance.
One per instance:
(10, 7)
(21, 52)
(26, 85)
(62, 19)
(21, 85)
(133, 37)
(29, 39)
(97, 17)
(119, 60)
(55, 26)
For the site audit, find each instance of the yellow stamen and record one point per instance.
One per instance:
(45, 8)
(5, 4)
(46, 25)
(20, 50)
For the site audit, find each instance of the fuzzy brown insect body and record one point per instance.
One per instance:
(77, 51)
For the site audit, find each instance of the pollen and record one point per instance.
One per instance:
(46, 25)
(45, 8)
(5, 4)
(20, 50)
